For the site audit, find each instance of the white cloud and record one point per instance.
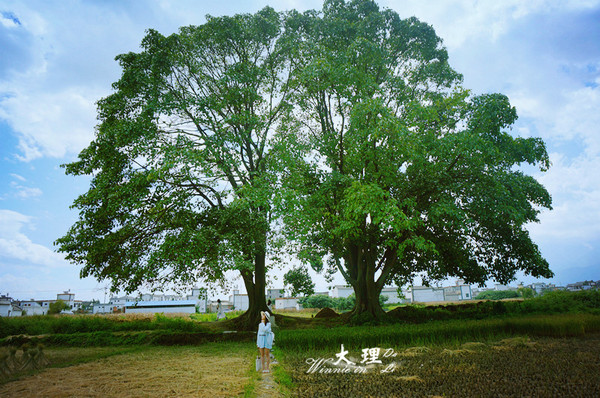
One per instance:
(15, 245)
(460, 21)
(23, 192)
(575, 187)
(18, 177)
(51, 124)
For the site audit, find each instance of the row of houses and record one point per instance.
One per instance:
(10, 307)
(279, 301)
(195, 302)
(154, 303)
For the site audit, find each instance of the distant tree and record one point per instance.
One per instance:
(317, 301)
(57, 306)
(526, 292)
(497, 294)
(299, 281)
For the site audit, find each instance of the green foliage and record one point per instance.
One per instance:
(211, 317)
(387, 165)
(497, 295)
(181, 181)
(300, 281)
(317, 301)
(57, 306)
(526, 292)
(338, 303)
(420, 176)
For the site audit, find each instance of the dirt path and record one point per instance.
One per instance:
(266, 387)
(213, 371)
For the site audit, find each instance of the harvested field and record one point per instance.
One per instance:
(209, 370)
(512, 367)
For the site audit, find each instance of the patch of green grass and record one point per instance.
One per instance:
(69, 324)
(284, 379)
(212, 317)
(254, 377)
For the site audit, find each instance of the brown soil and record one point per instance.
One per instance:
(327, 313)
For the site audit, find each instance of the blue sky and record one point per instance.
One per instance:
(57, 60)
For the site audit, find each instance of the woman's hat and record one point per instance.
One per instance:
(267, 315)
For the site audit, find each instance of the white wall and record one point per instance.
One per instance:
(5, 308)
(239, 301)
(285, 303)
(392, 295)
(425, 295)
(341, 291)
(466, 293)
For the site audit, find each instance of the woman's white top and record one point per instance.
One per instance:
(264, 339)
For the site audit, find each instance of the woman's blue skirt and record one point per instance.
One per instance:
(265, 341)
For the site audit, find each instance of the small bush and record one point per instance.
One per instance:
(497, 295)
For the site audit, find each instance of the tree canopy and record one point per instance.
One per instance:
(346, 127)
(181, 182)
(403, 172)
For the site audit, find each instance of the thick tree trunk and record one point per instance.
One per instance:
(361, 273)
(367, 301)
(255, 286)
(367, 306)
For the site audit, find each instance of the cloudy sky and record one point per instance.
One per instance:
(57, 60)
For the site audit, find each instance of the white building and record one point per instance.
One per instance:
(8, 309)
(32, 307)
(107, 308)
(200, 298)
(341, 291)
(67, 297)
(539, 287)
(170, 306)
(501, 287)
(273, 294)
(5, 306)
(286, 303)
(392, 294)
(239, 301)
(423, 294)
(457, 293)
(121, 300)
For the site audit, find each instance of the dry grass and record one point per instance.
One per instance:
(547, 367)
(211, 370)
(414, 351)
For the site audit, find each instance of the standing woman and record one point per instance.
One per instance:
(220, 313)
(264, 340)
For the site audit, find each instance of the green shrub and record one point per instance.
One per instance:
(47, 324)
(497, 295)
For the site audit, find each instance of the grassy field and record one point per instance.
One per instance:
(547, 346)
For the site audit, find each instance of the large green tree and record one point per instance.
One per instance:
(181, 184)
(397, 170)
